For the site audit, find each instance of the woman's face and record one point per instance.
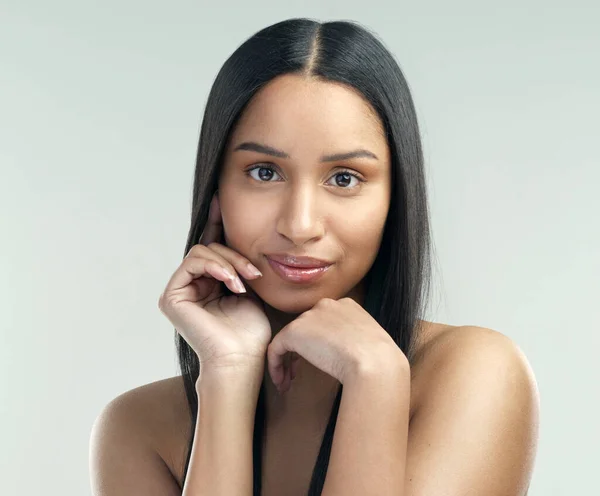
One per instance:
(299, 203)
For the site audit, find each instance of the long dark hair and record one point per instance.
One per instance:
(398, 283)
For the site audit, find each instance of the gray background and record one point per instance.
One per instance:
(100, 107)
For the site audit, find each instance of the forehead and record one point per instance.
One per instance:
(294, 111)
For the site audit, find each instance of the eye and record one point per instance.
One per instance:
(262, 175)
(265, 177)
(347, 177)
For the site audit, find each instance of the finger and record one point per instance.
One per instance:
(226, 257)
(219, 272)
(287, 379)
(294, 362)
(214, 225)
(238, 262)
(207, 289)
(193, 268)
(276, 352)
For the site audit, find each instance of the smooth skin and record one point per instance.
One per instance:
(474, 399)
(303, 204)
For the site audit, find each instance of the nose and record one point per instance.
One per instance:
(299, 220)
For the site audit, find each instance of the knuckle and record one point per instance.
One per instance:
(227, 266)
(195, 250)
(293, 326)
(167, 303)
(162, 302)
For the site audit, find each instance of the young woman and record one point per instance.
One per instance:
(306, 365)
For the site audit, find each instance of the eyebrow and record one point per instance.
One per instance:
(269, 150)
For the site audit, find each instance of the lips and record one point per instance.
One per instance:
(298, 262)
(299, 274)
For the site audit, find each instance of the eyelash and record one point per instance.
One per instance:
(272, 168)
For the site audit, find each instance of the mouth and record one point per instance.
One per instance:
(298, 274)
(296, 261)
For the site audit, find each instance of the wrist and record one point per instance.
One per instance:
(389, 366)
(230, 377)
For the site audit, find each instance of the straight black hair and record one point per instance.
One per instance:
(397, 284)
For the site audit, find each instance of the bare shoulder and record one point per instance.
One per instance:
(478, 396)
(152, 419)
(455, 346)
(451, 352)
(170, 423)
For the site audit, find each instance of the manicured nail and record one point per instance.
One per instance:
(238, 285)
(227, 273)
(253, 270)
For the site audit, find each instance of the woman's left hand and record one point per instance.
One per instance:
(338, 337)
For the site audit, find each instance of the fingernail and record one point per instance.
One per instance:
(228, 273)
(253, 270)
(238, 284)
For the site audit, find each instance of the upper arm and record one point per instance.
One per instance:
(475, 431)
(122, 460)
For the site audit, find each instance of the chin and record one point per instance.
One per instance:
(290, 305)
(294, 301)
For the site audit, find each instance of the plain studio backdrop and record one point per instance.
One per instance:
(100, 108)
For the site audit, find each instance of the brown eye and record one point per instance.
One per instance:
(347, 176)
(265, 173)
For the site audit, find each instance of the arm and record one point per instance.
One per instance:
(474, 432)
(221, 459)
(124, 459)
(368, 454)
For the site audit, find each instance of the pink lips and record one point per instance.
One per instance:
(298, 261)
(296, 274)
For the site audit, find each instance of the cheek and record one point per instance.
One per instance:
(244, 222)
(362, 227)
(361, 236)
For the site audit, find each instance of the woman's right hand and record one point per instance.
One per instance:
(226, 332)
